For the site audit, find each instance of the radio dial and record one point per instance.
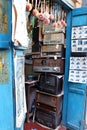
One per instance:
(43, 62)
(56, 69)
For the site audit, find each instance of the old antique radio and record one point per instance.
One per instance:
(50, 83)
(49, 65)
(53, 50)
(48, 28)
(47, 116)
(54, 38)
(54, 101)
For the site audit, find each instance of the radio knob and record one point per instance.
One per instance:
(43, 62)
(54, 109)
(56, 69)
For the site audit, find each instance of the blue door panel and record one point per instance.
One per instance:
(79, 16)
(6, 91)
(75, 113)
(79, 20)
(4, 45)
(6, 109)
(79, 11)
(77, 85)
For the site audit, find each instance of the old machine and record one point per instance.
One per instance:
(12, 108)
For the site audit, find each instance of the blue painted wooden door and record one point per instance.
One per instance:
(6, 91)
(6, 73)
(74, 103)
(7, 83)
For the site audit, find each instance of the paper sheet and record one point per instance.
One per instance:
(21, 34)
(79, 39)
(20, 91)
(78, 69)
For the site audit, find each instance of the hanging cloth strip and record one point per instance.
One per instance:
(19, 29)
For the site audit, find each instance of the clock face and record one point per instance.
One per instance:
(3, 16)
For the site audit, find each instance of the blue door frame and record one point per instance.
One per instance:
(74, 108)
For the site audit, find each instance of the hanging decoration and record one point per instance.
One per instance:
(35, 11)
(63, 23)
(41, 14)
(46, 12)
(59, 12)
(51, 16)
(55, 17)
(28, 6)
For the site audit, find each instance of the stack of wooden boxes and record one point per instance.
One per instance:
(50, 65)
(49, 109)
